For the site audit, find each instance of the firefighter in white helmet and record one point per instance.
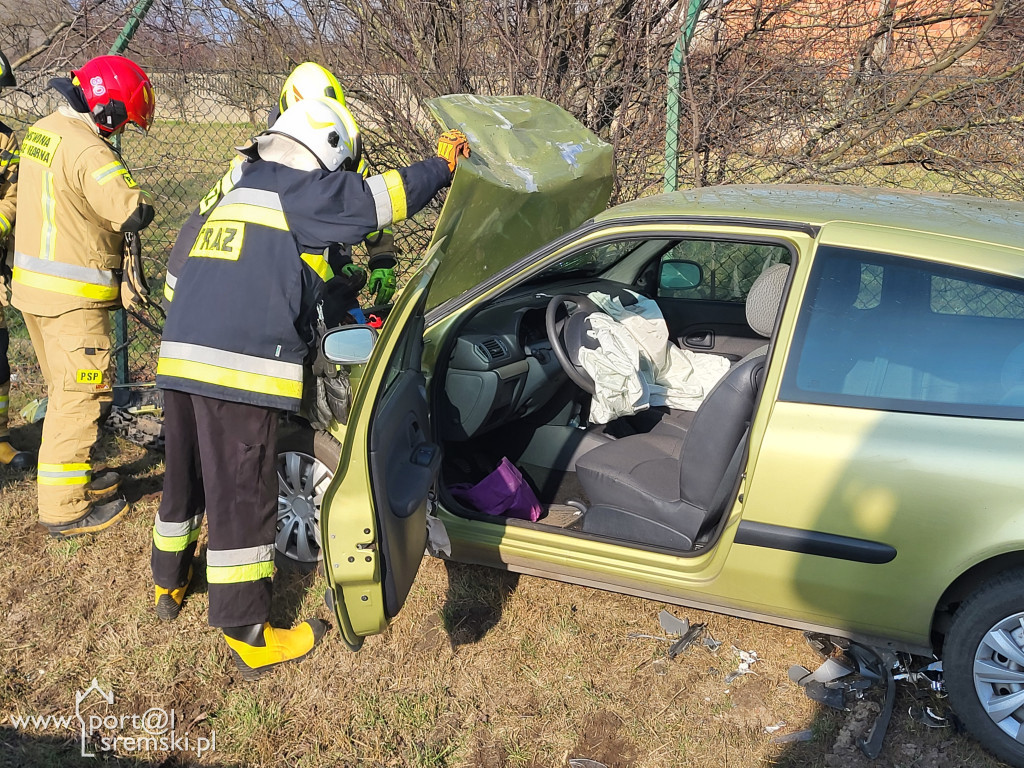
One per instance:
(236, 345)
(306, 80)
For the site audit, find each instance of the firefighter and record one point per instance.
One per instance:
(307, 79)
(9, 455)
(238, 337)
(77, 201)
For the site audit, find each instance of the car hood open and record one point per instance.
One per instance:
(535, 173)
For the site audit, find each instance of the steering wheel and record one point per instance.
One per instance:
(569, 336)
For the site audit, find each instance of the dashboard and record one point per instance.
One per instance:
(501, 367)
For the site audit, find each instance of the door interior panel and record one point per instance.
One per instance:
(404, 458)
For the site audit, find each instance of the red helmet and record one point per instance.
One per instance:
(117, 92)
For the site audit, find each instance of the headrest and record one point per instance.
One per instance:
(764, 299)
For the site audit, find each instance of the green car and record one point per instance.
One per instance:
(858, 470)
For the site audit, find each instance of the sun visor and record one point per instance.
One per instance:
(535, 173)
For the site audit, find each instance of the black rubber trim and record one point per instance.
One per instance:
(814, 543)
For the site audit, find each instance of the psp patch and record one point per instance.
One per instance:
(89, 376)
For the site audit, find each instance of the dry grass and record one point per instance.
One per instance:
(482, 669)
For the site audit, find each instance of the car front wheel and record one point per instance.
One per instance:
(984, 665)
(306, 462)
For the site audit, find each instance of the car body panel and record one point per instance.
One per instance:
(934, 487)
(535, 172)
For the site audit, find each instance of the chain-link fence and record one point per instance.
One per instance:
(202, 116)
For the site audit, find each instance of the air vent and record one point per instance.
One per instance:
(493, 349)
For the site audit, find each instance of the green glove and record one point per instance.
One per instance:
(383, 282)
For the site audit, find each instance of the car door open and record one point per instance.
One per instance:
(373, 521)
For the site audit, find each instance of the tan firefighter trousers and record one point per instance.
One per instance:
(74, 355)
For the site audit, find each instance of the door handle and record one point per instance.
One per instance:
(700, 339)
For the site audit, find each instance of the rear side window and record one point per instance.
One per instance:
(891, 333)
(728, 268)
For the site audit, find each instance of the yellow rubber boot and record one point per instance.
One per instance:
(168, 601)
(257, 649)
(13, 458)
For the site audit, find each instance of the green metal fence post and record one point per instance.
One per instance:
(120, 316)
(675, 68)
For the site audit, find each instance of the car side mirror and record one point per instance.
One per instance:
(349, 345)
(680, 275)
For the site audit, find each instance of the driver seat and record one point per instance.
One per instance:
(669, 486)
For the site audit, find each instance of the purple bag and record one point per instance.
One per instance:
(503, 492)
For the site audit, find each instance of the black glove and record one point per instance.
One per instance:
(332, 393)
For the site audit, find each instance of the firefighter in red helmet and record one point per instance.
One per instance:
(76, 202)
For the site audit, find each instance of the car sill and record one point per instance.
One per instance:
(814, 543)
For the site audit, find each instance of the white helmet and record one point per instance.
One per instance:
(326, 128)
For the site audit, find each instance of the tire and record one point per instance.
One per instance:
(984, 663)
(306, 462)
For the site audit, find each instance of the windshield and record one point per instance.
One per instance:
(589, 263)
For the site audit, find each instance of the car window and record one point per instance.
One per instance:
(891, 333)
(728, 268)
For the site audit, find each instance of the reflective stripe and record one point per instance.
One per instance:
(5, 227)
(169, 283)
(318, 264)
(388, 197)
(175, 537)
(242, 556)
(230, 369)
(70, 279)
(254, 206)
(48, 236)
(4, 404)
(178, 529)
(239, 574)
(232, 566)
(110, 171)
(63, 474)
(250, 214)
(263, 198)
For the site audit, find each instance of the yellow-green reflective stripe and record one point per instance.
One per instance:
(319, 264)
(63, 474)
(239, 574)
(48, 236)
(396, 191)
(5, 227)
(227, 377)
(251, 214)
(174, 543)
(65, 286)
(108, 172)
(170, 281)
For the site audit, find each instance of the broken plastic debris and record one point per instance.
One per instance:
(34, 411)
(777, 727)
(928, 716)
(747, 660)
(795, 736)
(673, 625)
(584, 762)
